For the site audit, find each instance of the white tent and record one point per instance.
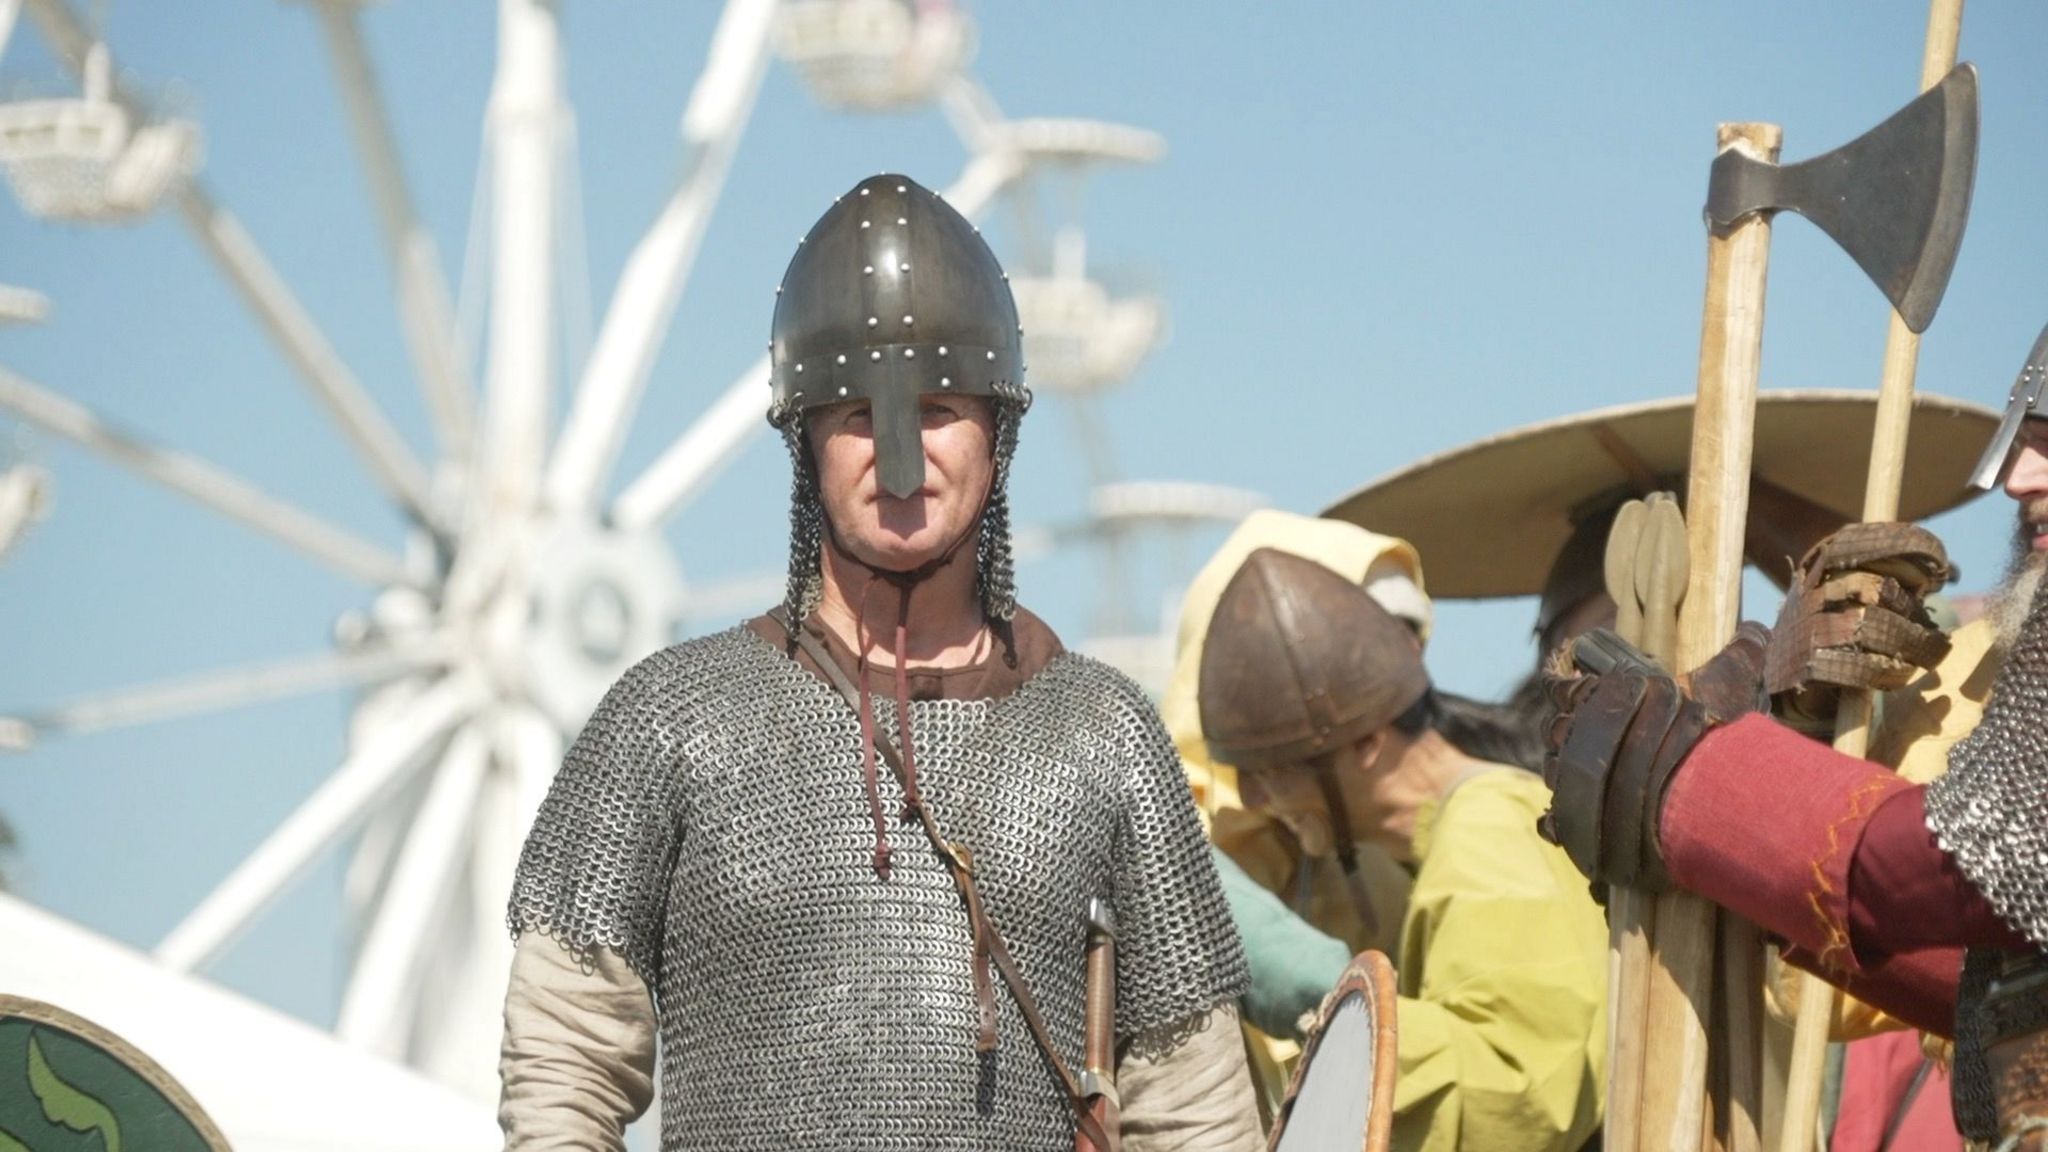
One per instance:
(272, 1083)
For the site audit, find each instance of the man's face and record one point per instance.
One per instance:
(2027, 483)
(1294, 798)
(883, 531)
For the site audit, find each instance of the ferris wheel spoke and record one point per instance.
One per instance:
(979, 182)
(264, 292)
(696, 458)
(524, 135)
(653, 280)
(361, 421)
(423, 301)
(189, 476)
(370, 775)
(716, 438)
(971, 110)
(223, 690)
(531, 746)
(384, 974)
(9, 9)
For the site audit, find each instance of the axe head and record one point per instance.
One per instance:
(1895, 198)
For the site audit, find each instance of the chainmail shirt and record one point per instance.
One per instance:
(1990, 812)
(710, 826)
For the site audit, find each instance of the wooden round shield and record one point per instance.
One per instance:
(1342, 1095)
(66, 1083)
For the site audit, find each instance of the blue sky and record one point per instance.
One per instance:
(1383, 230)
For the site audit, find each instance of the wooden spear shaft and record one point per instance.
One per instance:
(1852, 722)
(1672, 1107)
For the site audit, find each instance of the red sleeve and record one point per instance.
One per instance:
(1906, 894)
(1833, 855)
(1917, 987)
(1764, 822)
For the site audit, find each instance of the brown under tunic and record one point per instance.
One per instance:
(1020, 652)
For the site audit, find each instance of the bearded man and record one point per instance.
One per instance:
(796, 850)
(1928, 901)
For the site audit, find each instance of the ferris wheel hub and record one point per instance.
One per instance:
(599, 600)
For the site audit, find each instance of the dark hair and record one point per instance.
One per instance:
(1504, 733)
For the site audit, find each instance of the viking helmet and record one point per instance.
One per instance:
(2029, 397)
(1300, 663)
(893, 295)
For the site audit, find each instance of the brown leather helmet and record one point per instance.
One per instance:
(1300, 662)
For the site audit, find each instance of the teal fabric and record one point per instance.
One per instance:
(1293, 964)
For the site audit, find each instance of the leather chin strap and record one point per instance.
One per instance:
(1325, 768)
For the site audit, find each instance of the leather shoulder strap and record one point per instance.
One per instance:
(960, 864)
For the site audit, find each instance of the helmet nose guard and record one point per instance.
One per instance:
(892, 295)
(2029, 397)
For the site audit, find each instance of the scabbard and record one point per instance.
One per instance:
(1098, 1056)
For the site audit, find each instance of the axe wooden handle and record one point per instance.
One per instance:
(1852, 722)
(1672, 1110)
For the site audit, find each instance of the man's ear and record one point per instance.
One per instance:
(1368, 750)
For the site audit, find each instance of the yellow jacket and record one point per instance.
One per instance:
(1503, 978)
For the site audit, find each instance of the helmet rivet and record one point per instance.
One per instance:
(945, 381)
(901, 188)
(907, 319)
(1006, 277)
(991, 355)
(778, 289)
(842, 357)
(799, 369)
(868, 270)
(863, 191)
(842, 389)
(900, 221)
(910, 353)
(874, 320)
(863, 223)
(942, 349)
(875, 355)
(906, 265)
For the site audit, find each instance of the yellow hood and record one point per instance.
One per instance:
(1386, 566)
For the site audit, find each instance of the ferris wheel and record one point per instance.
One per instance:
(530, 576)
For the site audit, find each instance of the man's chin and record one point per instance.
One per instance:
(891, 553)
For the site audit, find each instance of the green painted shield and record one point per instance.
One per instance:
(68, 1085)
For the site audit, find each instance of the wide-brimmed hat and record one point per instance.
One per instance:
(1488, 518)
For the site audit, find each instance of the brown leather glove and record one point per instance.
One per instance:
(1623, 728)
(1855, 616)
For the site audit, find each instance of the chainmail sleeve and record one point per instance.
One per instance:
(1178, 954)
(593, 873)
